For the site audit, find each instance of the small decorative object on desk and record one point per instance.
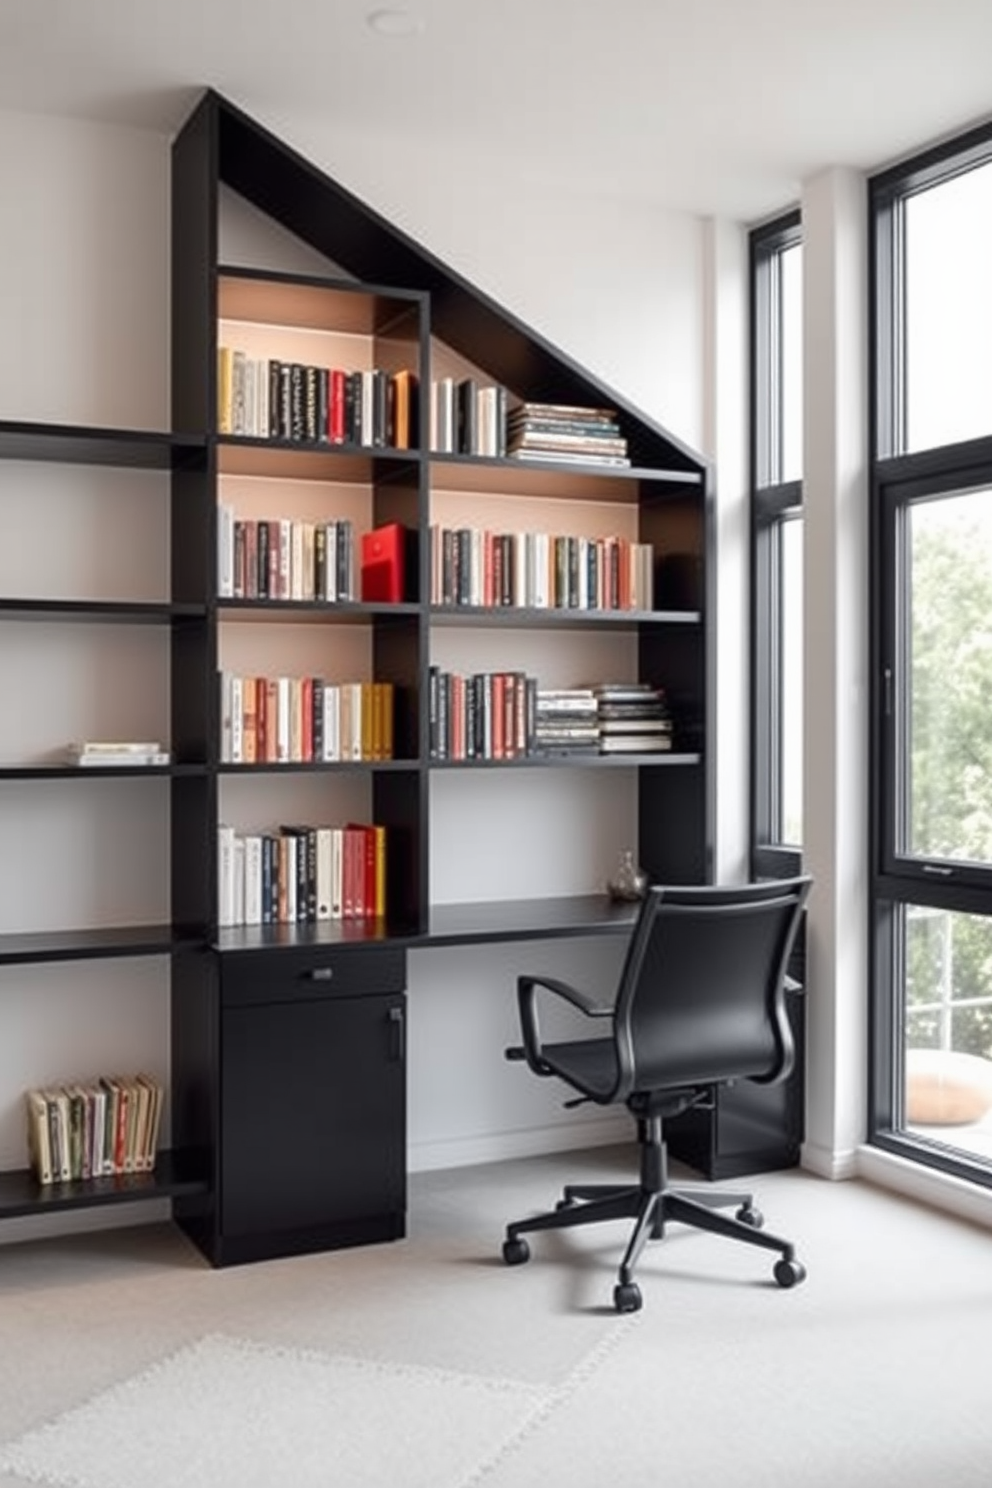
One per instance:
(630, 882)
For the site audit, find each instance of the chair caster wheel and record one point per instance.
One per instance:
(789, 1273)
(627, 1297)
(516, 1252)
(747, 1214)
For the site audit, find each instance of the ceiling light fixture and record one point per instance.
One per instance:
(395, 22)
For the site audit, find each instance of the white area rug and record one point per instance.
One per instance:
(236, 1414)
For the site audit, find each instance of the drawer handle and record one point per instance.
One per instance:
(319, 974)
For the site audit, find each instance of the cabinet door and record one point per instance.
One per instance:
(313, 1113)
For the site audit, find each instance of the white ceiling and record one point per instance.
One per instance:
(710, 106)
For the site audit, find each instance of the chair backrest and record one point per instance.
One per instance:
(702, 993)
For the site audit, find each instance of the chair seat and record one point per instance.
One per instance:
(588, 1064)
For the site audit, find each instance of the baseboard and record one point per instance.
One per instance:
(914, 1180)
(826, 1163)
(465, 1152)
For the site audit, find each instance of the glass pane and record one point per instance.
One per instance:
(949, 311)
(949, 747)
(947, 1092)
(791, 652)
(791, 261)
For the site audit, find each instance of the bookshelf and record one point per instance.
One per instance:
(285, 1035)
(39, 771)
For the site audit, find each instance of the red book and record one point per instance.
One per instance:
(335, 407)
(383, 562)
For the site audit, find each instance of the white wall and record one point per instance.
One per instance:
(84, 304)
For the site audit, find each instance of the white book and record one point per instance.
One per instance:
(542, 577)
(225, 550)
(285, 558)
(337, 876)
(332, 722)
(283, 719)
(237, 720)
(368, 408)
(253, 879)
(126, 757)
(521, 588)
(583, 573)
(225, 875)
(117, 746)
(324, 871)
(239, 880)
(296, 561)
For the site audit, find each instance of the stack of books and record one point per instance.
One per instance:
(137, 752)
(558, 432)
(94, 1129)
(566, 721)
(633, 718)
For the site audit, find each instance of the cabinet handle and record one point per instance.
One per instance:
(319, 974)
(397, 1031)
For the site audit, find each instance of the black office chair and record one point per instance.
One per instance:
(701, 1003)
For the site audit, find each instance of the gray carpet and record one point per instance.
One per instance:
(874, 1372)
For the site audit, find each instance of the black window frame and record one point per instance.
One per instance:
(898, 880)
(772, 501)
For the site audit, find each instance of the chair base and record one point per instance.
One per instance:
(652, 1205)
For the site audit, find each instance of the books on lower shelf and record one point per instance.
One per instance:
(301, 874)
(633, 718)
(506, 716)
(94, 1129)
(279, 558)
(304, 720)
(539, 570)
(93, 753)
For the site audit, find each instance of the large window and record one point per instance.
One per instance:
(777, 545)
(932, 652)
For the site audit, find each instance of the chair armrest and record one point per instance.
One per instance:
(527, 1001)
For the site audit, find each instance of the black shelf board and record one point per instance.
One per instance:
(313, 458)
(687, 478)
(338, 612)
(97, 772)
(527, 919)
(290, 767)
(88, 945)
(119, 611)
(74, 444)
(520, 617)
(22, 1194)
(332, 933)
(569, 761)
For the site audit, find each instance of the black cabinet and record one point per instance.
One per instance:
(304, 1068)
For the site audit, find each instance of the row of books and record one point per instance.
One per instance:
(95, 1128)
(263, 398)
(285, 720)
(556, 432)
(468, 417)
(285, 559)
(505, 715)
(539, 570)
(301, 874)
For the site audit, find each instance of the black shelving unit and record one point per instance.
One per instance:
(284, 1037)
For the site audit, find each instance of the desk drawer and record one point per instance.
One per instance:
(306, 973)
